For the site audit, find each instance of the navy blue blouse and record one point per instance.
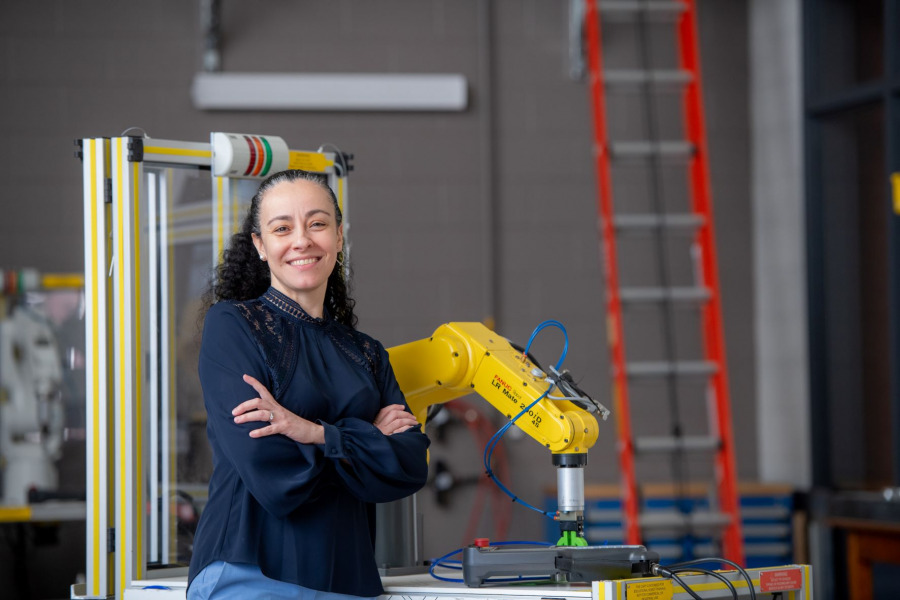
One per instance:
(303, 512)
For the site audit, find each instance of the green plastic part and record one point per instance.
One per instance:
(571, 538)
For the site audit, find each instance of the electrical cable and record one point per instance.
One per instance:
(739, 568)
(718, 576)
(673, 572)
(684, 586)
(495, 439)
(544, 325)
(441, 562)
(489, 451)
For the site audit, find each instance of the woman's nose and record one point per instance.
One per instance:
(302, 239)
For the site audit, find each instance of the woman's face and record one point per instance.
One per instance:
(300, 239)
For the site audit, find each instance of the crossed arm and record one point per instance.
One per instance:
(391, 419)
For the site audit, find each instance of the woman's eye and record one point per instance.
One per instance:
(317, 225)
(281, 229)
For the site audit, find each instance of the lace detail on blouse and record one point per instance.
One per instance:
(359, 347)
(275, 319)
(276, 342)
(285, 304)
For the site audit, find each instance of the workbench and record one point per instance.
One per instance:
(793, 581)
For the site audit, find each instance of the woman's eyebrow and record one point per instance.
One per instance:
(278, 218)
(307, 215)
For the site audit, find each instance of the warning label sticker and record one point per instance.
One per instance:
(649, 590)
(781, 581)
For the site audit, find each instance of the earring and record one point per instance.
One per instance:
(340, 258)
(261, 257)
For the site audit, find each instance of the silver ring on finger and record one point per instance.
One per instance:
(271, 416)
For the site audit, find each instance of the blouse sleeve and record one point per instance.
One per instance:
(377, 467)
(281, 474)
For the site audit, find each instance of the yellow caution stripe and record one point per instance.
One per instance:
(15, 514)
(51, 281)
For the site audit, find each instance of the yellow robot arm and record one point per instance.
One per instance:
(466, 358)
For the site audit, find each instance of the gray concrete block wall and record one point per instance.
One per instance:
(422, 248)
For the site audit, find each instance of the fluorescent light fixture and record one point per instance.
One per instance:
(330, 91)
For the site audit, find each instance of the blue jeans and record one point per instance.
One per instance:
(238, 581)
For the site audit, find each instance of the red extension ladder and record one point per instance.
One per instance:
(665, 227)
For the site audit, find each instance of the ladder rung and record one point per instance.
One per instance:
(639, 77)
(642, 149)
(652, 8)
(660, 369)
(678, 294)
(652, 221)
(596, 515)
(768, 550)
(673, 519)
(695, 443)
(762, 530)
(766, 513)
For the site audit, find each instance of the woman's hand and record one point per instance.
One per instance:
(394, 418)
(280, 420)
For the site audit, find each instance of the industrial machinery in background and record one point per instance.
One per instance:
(32, 415)
(41, 351)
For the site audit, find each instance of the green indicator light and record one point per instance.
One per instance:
(268, 165)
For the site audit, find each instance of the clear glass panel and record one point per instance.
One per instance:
(855, 221)
(181, 264)
(850, 43)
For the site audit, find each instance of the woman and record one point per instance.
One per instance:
(295, 471)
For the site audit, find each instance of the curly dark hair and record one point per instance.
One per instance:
(242, 276)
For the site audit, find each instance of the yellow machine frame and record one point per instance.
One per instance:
(123, 238)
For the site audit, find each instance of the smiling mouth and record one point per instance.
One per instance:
(303, 261)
